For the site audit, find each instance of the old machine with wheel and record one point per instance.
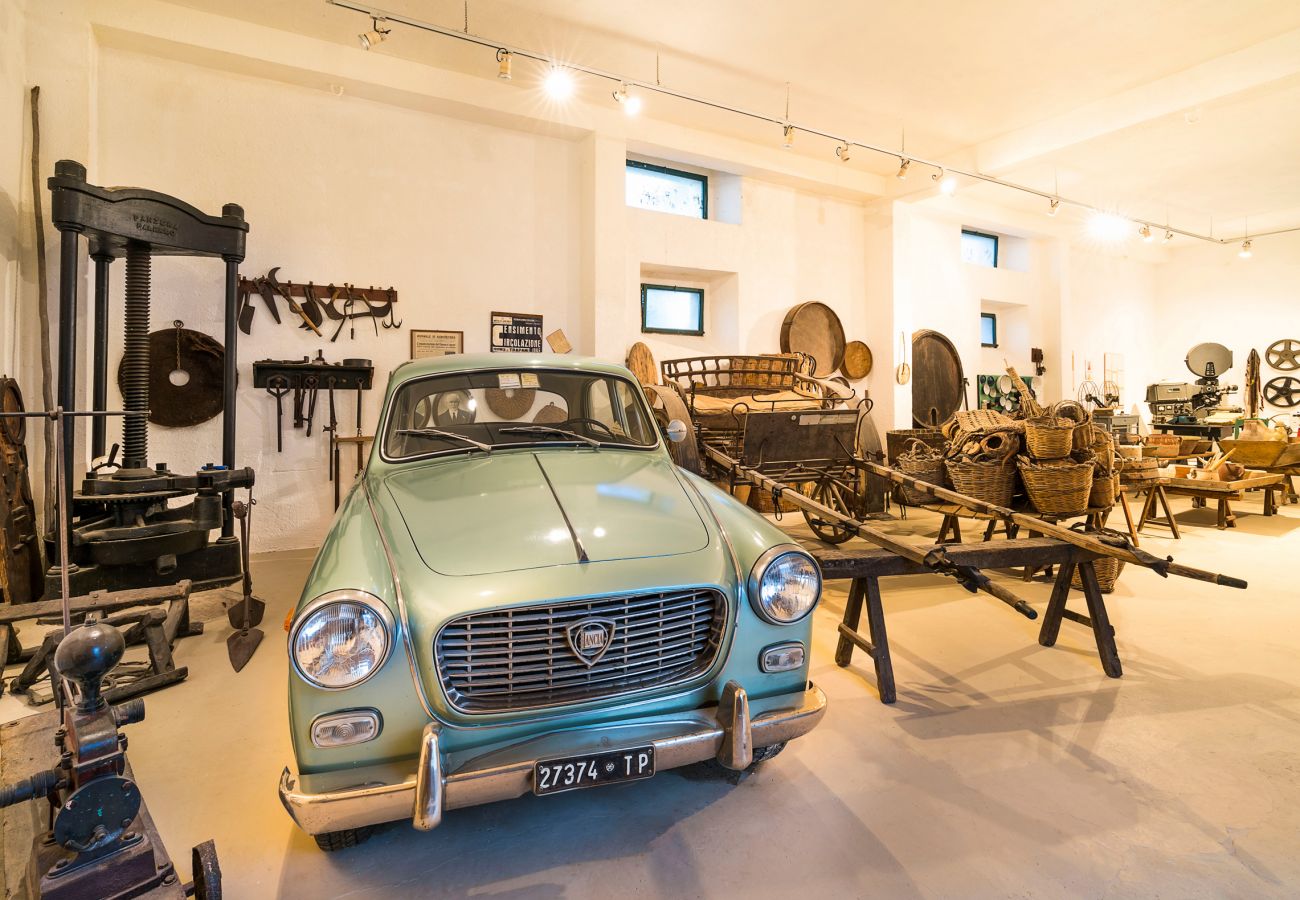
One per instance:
(91, 835)
(127, 529)
(1196, 409)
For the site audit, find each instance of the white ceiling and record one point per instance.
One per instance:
(1185, 108)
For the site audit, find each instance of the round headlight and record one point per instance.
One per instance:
(341, 639)
(785, 585)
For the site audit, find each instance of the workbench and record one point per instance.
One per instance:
(866, 565)
(1221, 492)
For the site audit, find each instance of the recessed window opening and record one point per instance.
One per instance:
(668, 309)
(988, 330)
(979, 249)
(662, 189)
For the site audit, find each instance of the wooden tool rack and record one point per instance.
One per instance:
(865, 566)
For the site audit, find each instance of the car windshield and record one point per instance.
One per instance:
(481, 411)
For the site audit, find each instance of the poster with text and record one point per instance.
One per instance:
(516, 333)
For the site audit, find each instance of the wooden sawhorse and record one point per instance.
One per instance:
(867, 565)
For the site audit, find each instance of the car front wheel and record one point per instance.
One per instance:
(331, 841)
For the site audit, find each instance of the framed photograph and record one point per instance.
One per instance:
(436, 343)
(516, 333)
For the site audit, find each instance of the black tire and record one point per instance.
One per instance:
(712, 769)
(332, 841)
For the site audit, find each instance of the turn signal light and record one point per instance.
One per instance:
(782, 657)
(341, 729)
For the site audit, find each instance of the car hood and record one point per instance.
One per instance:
(522, 509)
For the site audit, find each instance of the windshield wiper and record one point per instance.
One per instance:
(438, 432)
(549, 429)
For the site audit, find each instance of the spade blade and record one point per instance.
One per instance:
(242, 645)
(255, 609)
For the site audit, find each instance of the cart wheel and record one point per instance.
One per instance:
(828, 494)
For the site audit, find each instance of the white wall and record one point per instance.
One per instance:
(461, 218)
(13, 169)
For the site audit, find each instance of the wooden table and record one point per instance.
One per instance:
(1221, 492)
(867, 565)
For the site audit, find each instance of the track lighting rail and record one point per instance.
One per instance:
(843, 144)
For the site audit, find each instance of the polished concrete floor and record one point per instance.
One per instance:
(1005, 769)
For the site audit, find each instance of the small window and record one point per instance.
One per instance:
(667, 190)
(666, 309)
(988, 330)
(980, 249)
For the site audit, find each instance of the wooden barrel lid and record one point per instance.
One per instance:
(857, 360)
(814, 329)
(938, 382)
(642, 363)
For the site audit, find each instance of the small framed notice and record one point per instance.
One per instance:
(436, 343)
(516, 333)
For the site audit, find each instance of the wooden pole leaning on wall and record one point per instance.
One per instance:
(43, 307)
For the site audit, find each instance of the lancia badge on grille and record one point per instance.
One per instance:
(590, 638)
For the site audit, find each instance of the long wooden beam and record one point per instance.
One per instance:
(933, 559)
(1127, 553)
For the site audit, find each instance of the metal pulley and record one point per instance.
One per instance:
(185, 376)
(1283, 391)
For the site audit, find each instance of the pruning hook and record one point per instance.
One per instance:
(392, 323)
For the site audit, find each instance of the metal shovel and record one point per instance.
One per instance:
(247, 613)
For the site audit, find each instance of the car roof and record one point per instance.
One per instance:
(469, 362)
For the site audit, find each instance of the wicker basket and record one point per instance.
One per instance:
(1047, 437)
(922, 461)
(897, 442)
(991, 482)
(1164, 446)
(1105, 488)
(1107, 568)
(1060, 491)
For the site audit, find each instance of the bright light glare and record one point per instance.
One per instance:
(559, 84)
(948, 186)
(1107, 227)
(632, 104)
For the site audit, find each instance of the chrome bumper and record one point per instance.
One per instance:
(726, 732)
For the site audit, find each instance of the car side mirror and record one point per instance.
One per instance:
(676, 431)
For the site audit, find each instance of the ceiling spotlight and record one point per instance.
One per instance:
(1055, 206)
(948, 186)
(842, 151)
(558, 83)
(630, 102)
(788, 140)
(902, 169)
(1169, 236)
(1244, 252)
(503, 64)
(1145, 231)
(1107, 226)
(375, 36)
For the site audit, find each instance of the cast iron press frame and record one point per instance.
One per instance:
(138, 224)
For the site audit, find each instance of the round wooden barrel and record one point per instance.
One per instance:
(814, 329)
(938, 382)
(857, 360)
(641, 362)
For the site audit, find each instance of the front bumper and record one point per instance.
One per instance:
(728, 732)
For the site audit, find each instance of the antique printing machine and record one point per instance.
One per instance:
(124, 532)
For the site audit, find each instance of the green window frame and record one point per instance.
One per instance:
(676, 173)
(983, 236)
(992, 319)
(646, 328)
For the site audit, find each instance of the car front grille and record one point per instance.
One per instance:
(522, 658)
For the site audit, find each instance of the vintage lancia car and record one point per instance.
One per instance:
(522, 593)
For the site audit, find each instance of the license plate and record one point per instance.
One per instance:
(554, 776)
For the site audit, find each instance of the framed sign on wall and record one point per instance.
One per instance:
(425, 343)
(516, 333)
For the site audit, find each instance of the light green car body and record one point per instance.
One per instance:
(437, 538)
